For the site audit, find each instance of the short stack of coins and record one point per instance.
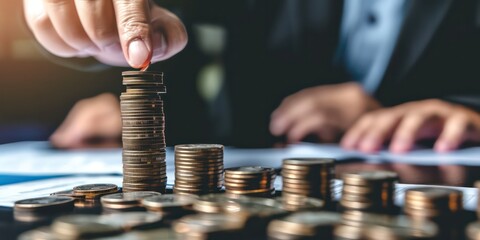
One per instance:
(441, 205)
(38, 209)
(307, 177)
(370, 191)
(143, 137)
(198, 168)
(255, 181)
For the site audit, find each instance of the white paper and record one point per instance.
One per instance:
(42, 188)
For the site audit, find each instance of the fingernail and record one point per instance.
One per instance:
(138, 53)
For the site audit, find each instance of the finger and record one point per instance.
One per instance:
(381, 128)
(98, 20)
(407, 132)
(352, 138)
(66, 22)
(43, 30)
(133, 24)
(287, 113)
(454, 131)
(304, 126)
(169, 35)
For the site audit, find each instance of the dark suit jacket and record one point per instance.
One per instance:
(278, 47)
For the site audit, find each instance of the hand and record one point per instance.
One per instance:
(96, 118)
(115, 32)
(404, 124)
(324, 111)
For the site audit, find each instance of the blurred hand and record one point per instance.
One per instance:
(94, 119)
(324, 111)
(404, 124)
(115, 32)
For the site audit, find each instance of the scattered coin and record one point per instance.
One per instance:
(305, 225)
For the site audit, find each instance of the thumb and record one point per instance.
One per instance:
(133, 23)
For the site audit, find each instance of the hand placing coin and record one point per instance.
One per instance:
(115, 32)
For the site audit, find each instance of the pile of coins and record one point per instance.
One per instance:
(255, 181)
(371, 191)
(129, 201)
(37, 209)
(170, 205)
(305, 225)
(209, 226)
(441, 205)
(198, 168)
(143, 136)
(307, 177)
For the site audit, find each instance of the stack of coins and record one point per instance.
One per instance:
(371, 191)
(198, 168)
(170, 205)
(209, 226)
(216, 202)
(38, 209)
(252, 181)
(143, 136)
(441, 205)
(308, 177)
(129, 201)
(301, 204)
(305, 225)
(95, 191)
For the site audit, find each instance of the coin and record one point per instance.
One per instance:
(169, 202)
(44, 204)
(82, 226)
(312, 225)
(131, 220)
(209, 226)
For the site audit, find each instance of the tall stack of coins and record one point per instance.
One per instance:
(371, 191)
(305, 225)
(307, 177)
(144, 167)
(253, 181)
(198, 168)
(441, 205)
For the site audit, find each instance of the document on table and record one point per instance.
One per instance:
(41, 188)
(38, 158)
